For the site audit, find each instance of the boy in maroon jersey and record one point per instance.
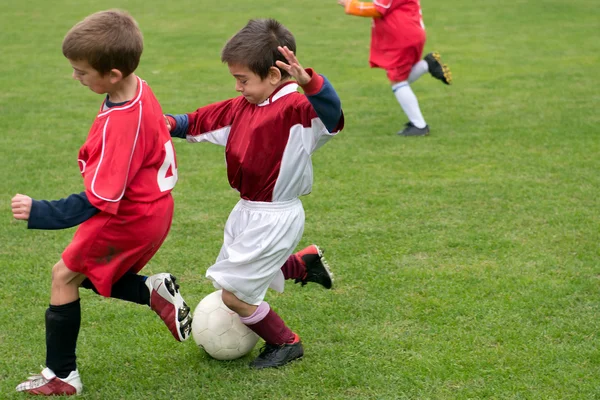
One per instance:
(269, 134)
(124, 215)
(397, 41)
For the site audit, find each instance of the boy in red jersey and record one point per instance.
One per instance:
(269, 134)
(124, 214)
(397, 42)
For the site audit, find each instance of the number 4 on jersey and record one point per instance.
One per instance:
(167, 182)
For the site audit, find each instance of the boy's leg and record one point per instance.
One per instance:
(417, 71)
(400, 77)
(63, 319)
(161, 293)
(410, 105)
(281, 344)
(308, 265)
(131, 287)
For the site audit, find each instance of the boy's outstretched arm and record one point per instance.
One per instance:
(177, 125)
(209, 123)
(317, 89)
(58, 214)
(360, 8)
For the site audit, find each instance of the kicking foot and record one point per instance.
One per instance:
(46, 383)
(167, 302)
(317, 268)
(437, 69)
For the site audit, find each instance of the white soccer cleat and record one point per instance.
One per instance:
(167, 302)
(46, 383)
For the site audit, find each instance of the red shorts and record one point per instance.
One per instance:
(398, 62)
(411, 56)
(107, 246)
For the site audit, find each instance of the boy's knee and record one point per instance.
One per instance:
(63, 276)
(58, 272)
(230, 300)
(236, 305)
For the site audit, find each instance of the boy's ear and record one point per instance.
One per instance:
(115, 75)
(274, 75)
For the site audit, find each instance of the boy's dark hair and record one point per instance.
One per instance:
(255, 46)
(106, 40)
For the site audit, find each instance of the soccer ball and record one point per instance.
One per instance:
(219, 331)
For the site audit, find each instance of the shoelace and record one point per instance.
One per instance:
(35, 381)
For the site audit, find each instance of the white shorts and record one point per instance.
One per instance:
(259, 237)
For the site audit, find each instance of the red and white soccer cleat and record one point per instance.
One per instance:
(48, 384)
(167, 302)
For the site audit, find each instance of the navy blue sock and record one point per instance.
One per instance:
(131, 287)
(62, 329)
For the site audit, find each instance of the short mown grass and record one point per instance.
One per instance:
(467, 262)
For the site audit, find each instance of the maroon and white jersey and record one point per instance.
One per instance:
(128, 154)
(400, 26)
(268, 146)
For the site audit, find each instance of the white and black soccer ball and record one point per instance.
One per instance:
(219, 331)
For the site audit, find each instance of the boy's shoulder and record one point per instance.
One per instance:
(288, 96)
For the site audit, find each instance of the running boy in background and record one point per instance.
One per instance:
(269, 134)
(397, 42)
(124, 214)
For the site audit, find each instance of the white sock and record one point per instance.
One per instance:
(409, 103)
(417, 70)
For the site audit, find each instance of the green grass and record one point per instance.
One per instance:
(467, 262)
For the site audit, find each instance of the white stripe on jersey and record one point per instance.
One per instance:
(137, 132)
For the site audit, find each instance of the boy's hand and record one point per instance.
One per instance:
(343, 2)
(293, 67)
(169, 127)
(21, 206)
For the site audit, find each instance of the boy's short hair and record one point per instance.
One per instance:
(255, 46)
(106, 40)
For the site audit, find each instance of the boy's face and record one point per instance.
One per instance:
(254, 89)
(88, 76)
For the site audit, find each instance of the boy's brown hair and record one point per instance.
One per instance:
(106, 40)
(255, 46)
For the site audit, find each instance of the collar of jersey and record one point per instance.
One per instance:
(283, 90)
(127, 104)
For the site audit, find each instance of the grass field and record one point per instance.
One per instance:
(467, 262)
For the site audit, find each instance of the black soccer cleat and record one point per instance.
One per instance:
(273, 356)
(411, 130)
(437, 69)
(317, 269)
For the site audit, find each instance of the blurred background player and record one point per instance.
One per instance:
(124, 215)
(270, 133)
(397, 42)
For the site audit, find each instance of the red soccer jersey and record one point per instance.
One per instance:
(268, 145)
(399, 27)
(128, 154)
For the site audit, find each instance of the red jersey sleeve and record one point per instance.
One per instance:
(212, 117)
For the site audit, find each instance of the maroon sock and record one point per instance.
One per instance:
(273, 330)
(293, 268)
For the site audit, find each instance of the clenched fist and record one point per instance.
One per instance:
(21, 206)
